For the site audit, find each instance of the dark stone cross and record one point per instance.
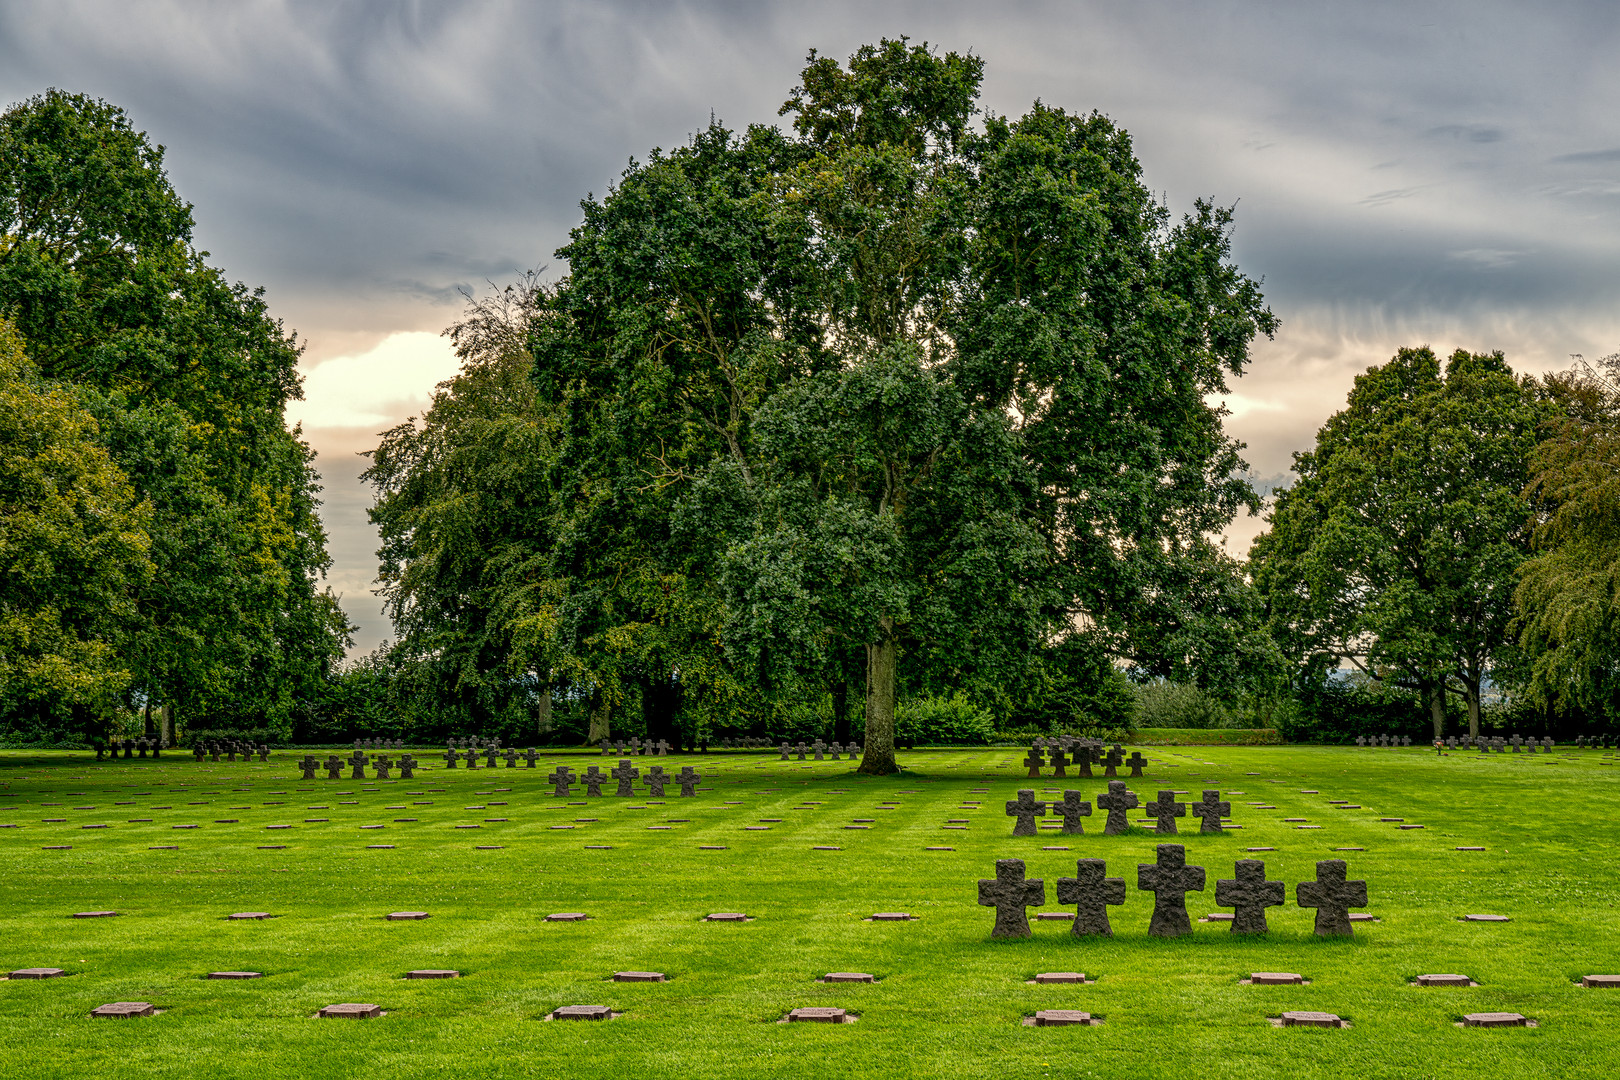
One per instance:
(560, 781)
(626, 775)
(490, 754)
(531, 757)
(309, 765)
(1136, 761)
(1170, 879)
(1059, 762)
(384, 766)
(357, 762)
(688, 780)
(819, 747)
(656, 779)
(509, 756)
(1010, 894)
(1072, 810)
(1034, 760)
(801, 751)
(1112, 760)
(661, 749)
(407, 766)
(593, 780)
(334, 767)
(451, 756)
(1249, 894)
(470, 756)
(1091, 892)
(1332, 897)
(836, 749)
(1118, 800)
(787, 750)
(1166, 810)
(1083, 757)
(1210, 810)
(1026, 809)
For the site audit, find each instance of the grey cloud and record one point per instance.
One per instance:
(1588, 157)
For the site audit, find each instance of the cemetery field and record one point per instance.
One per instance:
(947, 1000)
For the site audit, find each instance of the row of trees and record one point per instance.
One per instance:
(159, 541)
(895, 405)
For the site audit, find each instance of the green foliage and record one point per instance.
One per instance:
(1207, 736)
(186, 375)
(74, 555)
(942, 721)
(1181, 705)
(1568, 595)
(1398, 548)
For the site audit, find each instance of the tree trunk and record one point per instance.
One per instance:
(146, 725)
(877, 756)
(840, 710)
(600, 717)
(1437, 708)
(542, 719)
(1471, 691)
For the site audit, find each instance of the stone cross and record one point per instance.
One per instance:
(1210, 810)
(407, 766)
(635, 746)
(509, 756)
(1332, 897)
(606, 746)
(358, 761)
(787, 750)
(334, 767)
(1166, 810)
(1136, 761)
(561, 780)
(490, 753)
(264, 752)
(1118, 800)
(309, 765)
(1026, 809)
(626, 775)
(470, 756)
(801, 751)
(1034, 760)
(819, 748)
(835, 749)
(1170, 879)
(662, 748)
(593, 780)
(1517, 743)
(1361, 740)
(1072, 810)
(530, 756)
(1059, 762)
(1010, 894)
(656, 779)
(451, 756)
(1547, 744)
(688, 780)
(854, 750)
(1112, 760)
(1091, 892)
(1083, 756)
(384, 766)
(1249, 894)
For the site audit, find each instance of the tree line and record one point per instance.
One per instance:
(889, 421)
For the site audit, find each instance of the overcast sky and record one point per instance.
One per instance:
(1405, 173)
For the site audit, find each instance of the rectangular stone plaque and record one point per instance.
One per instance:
(1276, 978)
(1061, 1017)
(123, 1010)
(582, 1012)
(352, 1011)
(817, 1016)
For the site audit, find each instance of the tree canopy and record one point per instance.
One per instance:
(899, 390)
(1398, 549)
(187, 375)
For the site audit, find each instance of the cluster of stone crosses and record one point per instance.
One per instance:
(1082, 753)
(491, 753)
(624, 775)
(1210, 811)
(1498, 744)
(358, 761)
(130, 746)
(1589, 742)
(1170, 879)
(634, 746)
(820, 750)
(379, 744)
(230, 748)
(1384, 740)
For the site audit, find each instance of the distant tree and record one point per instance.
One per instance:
(73, 557)
(1398, 548)
(1569, 590)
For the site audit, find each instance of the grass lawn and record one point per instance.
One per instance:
(948, 1001)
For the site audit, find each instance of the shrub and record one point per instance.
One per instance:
(1181, 705)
